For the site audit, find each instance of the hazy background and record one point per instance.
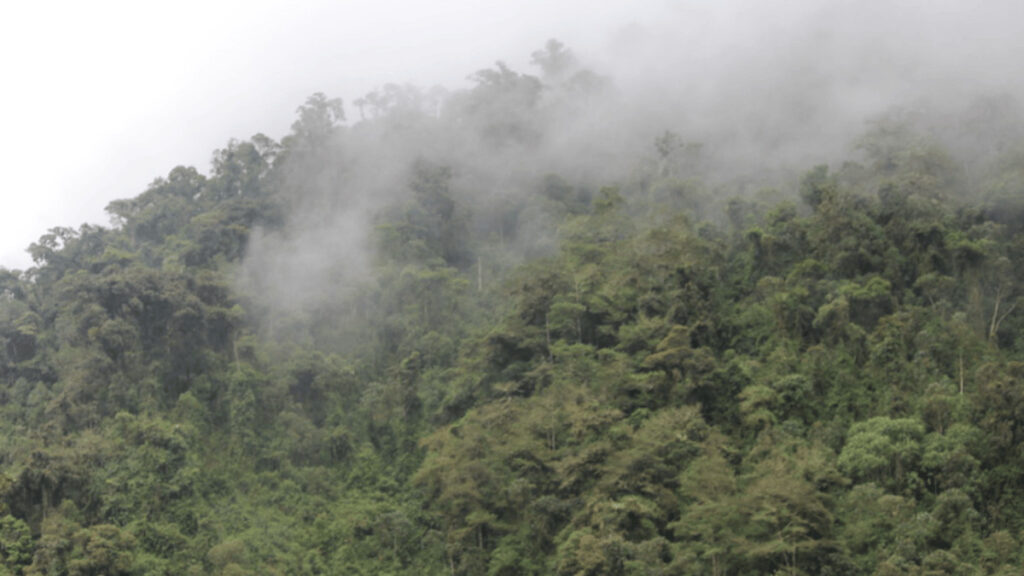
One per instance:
(100, 99)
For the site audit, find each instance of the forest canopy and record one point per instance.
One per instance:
(488, 332)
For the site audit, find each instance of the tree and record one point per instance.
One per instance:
(884, 450)
(711, 522)
(318, 120)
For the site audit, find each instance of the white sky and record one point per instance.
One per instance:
(101, 97)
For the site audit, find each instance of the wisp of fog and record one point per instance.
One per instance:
(742, 96)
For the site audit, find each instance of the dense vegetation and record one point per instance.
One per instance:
(658, 374)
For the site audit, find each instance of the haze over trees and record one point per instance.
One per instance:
(492, 332)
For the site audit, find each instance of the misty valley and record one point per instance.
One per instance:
(526, 327)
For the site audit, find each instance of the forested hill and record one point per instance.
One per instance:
(463, 336)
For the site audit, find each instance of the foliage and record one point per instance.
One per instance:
(565, 379)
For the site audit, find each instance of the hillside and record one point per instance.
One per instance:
(481, 333)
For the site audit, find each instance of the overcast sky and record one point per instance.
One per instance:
(101, 97)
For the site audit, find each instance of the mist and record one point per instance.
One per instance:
(105, 98)
(659, 287)
(749, 97)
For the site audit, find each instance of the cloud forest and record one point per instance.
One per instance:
(536, 326)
